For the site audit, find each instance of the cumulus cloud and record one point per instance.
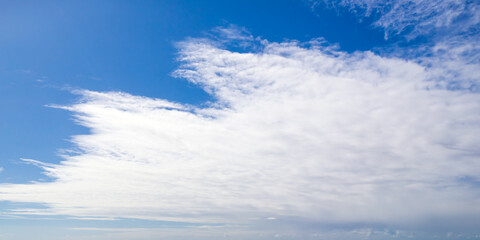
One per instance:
(296, 132)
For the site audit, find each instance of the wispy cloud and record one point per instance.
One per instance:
(95, 218)
(233, 33)
(414, 17)
(449, 28)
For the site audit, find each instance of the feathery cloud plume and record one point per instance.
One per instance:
(304, 133)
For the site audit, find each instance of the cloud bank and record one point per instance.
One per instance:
(299, 131)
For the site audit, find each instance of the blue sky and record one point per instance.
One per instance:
(239, 119)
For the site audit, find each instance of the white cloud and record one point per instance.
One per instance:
(297, 133)
(233, 33)
(415, 17)
(450, 31)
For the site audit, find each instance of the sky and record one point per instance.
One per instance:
(286, 119)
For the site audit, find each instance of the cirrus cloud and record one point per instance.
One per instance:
(414, 18)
